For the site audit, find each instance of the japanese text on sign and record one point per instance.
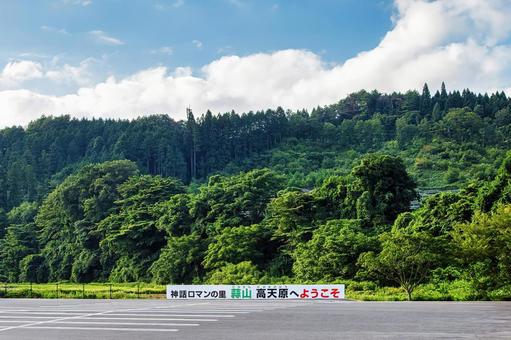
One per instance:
(255, 292)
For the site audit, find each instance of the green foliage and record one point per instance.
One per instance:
(405, 132)
(130, 232)
(334, 199)
(237, 200)
(23, 214)
(462, 125)
(68, 218)
(175, 218)
(441, 212)
(484, 246)
(385, 186)
(407, 258)
(86, 266)
(19, 241)
(499, 190)
(37, 158)
(291, 216)
(243, 273)
(234, 245)
(128, 269)
(180, 260)
(33, 269)
(332, 252)
(66, 290)
(3, 223)
(269, 196)
(452, 175)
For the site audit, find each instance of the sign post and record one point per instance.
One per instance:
(256, 292)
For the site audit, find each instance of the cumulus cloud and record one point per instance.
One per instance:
(18, 71)
(17, 74)
(80, 74)
(103, 38)
(461, 42)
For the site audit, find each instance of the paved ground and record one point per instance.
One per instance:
(144, 319)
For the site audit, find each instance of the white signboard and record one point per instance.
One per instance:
(256, 292)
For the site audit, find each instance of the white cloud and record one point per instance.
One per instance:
(461, 42)
(80, 75)
(32, 55)
(197, 43)
(18, 71)
(62, 31)
(103, 38)
(18, 74)
(167, 50)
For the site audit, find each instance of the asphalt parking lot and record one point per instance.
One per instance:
(189, 319)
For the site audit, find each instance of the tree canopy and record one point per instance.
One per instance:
(403, 189)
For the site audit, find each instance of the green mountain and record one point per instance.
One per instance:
(269, 196)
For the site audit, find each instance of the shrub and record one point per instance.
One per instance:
(238, 274)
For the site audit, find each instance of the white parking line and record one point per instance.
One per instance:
(151, 319)
(87, 317)
(142, 316)
(45, 313)
(31, 317)
(8, 307)
(160, 311)
(42, 322)
(145, 314)
(109, 323)
(36, 323)
(234, 311)
(126, 323)
(105, 329)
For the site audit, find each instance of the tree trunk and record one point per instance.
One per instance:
(409, 292)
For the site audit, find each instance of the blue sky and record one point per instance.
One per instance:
(188, 32)
(125, 59)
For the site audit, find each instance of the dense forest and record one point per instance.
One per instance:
(378, 189)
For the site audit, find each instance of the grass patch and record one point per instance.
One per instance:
(83, 291)
(457, 290)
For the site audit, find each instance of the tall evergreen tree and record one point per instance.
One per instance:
(443, 98)
(425, 107)
(436, 114)
(192, 143)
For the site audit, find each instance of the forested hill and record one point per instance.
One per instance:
(444, 139)
(268, 197)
